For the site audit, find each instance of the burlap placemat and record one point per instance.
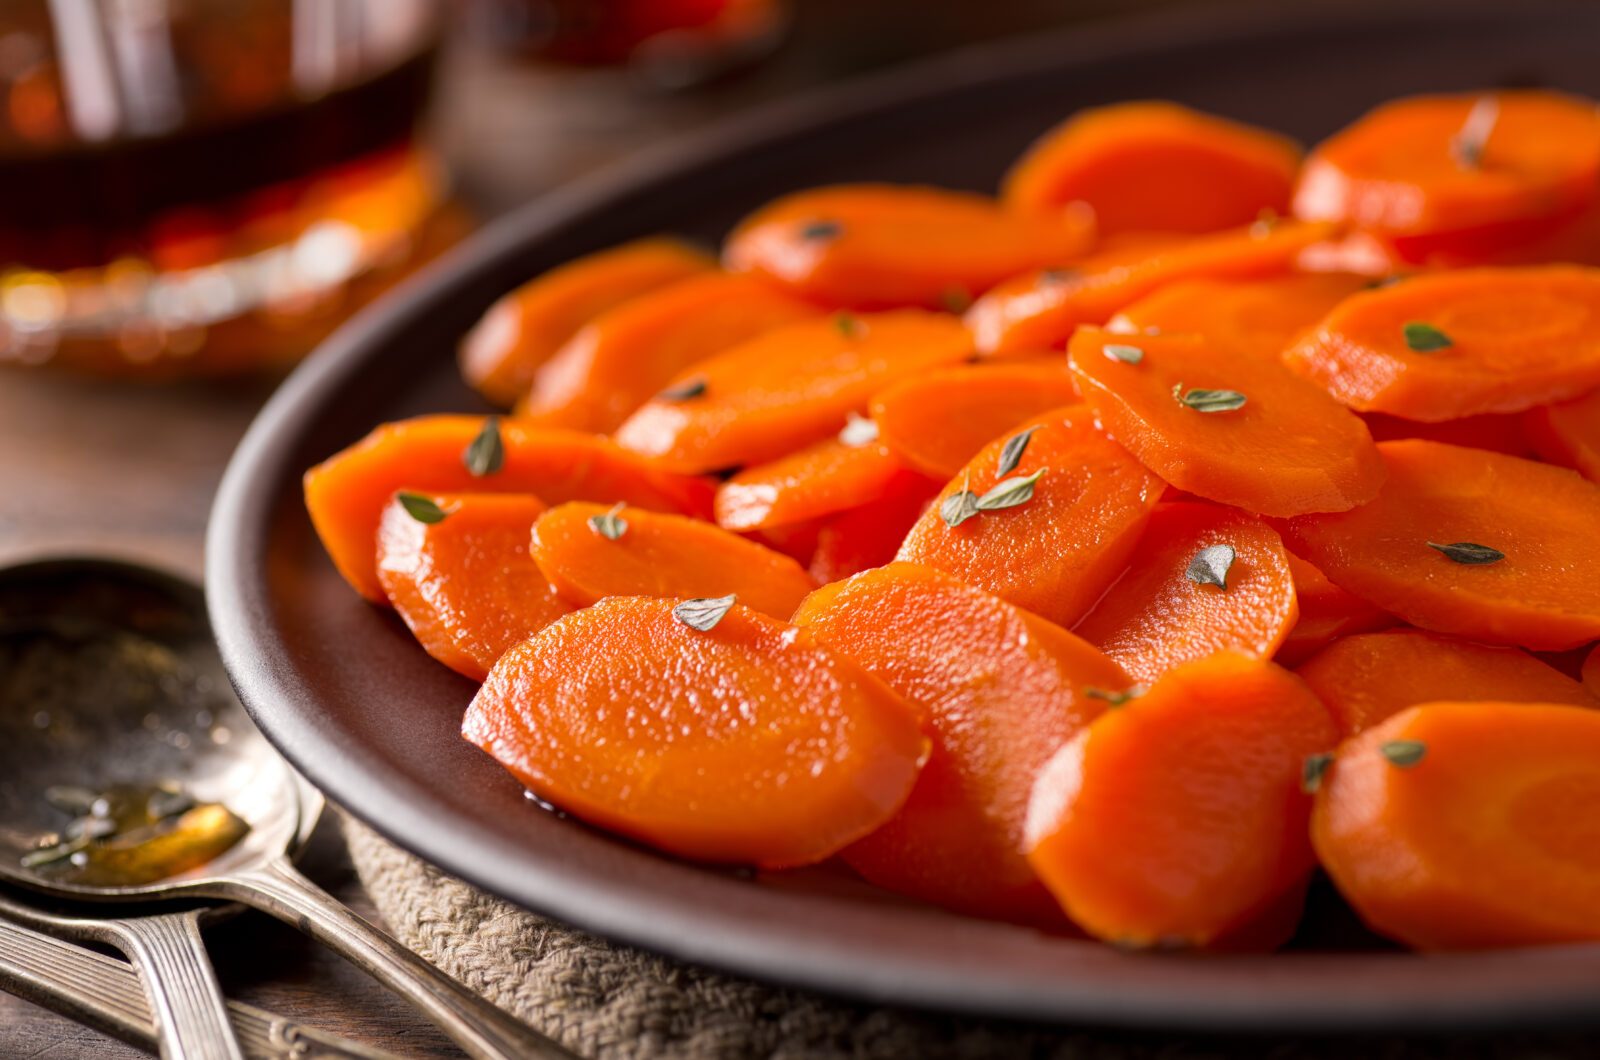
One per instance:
(611, 1002)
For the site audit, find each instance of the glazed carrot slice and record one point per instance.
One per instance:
(1155, 166)
(937, 421)
(824, 479)
(1366, 679)
(619, 360)
(526, 327)
(1260, 318)
(1591, 672)
(591, 551)
(1168, 608)
(1002, 690)
(787, 388)
(1177, 818)
(1040, 310)
(883, 246)
(747, 742)
(1568, 434)
(1507, 434)
(1054, 548)
(1458, 179)
(871, 535)
(1327, 613)
(346, 493)
(1454, 344)
(464, 583)
(1403, 551)
(1468, 825)
(1242, 431)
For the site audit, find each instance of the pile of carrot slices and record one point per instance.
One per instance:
(1107, 555)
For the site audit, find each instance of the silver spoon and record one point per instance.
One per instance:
(166, 723)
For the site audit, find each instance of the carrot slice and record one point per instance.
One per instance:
(526, 327)
(1154, 165)
(1241, 431)
(1458, 179)
(619, 360)
(1467, 825)
(1327, 613)
(1168, 609)
(1040, 310)
(937, 421)
(824, 479)
(1507, 434)
(1568, 434)
(746, 743)
(1177, 818)
(591, 551)
(883, 246)
(346, 493)
(787, 388)
(465, 584)
(1453, 344)
(869, 536)
(1396, 552)
(1366, 679)
(1591, 672)
(1057, 551)
(1258, 319)
(1000, 699)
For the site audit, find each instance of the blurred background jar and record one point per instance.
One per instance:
(207, 186)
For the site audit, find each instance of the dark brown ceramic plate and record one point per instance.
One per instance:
(341, 688)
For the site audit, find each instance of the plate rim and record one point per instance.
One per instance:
(238, 534)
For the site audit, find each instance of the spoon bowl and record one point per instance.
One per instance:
(110, 681)
(129, 773)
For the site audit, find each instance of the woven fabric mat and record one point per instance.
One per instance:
(611, 1002)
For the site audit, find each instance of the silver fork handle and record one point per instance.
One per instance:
(190, 1013)
(483, 1031)
(106, 994)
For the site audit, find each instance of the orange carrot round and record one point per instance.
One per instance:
(824, 479)
(1202, 580)
(621, 358)
(1040, 310)
(1591, 672)
(1177, 818)
(1051, 543)
(1327, 613)
(1259, 318)
(1366, 679)
(1568, 434)
(1454, 344)
(938, 420)
(1241, 431)
(870, 536)
(788, 388)
(1154, 166)
(1459, 179)
(883, 246)
(457, 570)
(1002, 690)
(591, 551)
(1426, 548)
(346, 493)
(1468, 825)
(526, 327)
(743, 742)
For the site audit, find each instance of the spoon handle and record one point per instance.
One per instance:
(481, 1029)
(190, 1011)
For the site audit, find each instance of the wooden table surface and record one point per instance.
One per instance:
(124, 470)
